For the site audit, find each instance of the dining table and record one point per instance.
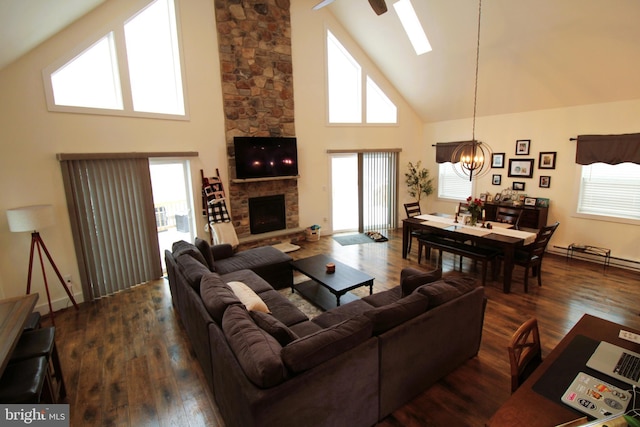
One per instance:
(14, 313)
(497, 235)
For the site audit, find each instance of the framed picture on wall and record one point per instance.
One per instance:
(545, 181)
(522, 147)
(496, 180)
(547, 160)
(497, 160)
(521, 168)
(518, 186)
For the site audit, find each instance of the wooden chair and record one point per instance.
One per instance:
(509, 216)
(525, 352)
(530, 256)
(413, 209)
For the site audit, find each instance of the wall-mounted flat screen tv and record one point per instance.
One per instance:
(265, 157)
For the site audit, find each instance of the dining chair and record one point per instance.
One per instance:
(509, 216)
(413, 209)
(525, 352)
(530, 256)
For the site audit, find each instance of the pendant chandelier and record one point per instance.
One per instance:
(473, 157)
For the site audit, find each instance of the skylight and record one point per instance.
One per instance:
(412, 26)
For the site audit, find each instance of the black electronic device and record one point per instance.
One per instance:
(265, 157)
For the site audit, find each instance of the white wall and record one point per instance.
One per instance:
(549, 130)
(31, 136)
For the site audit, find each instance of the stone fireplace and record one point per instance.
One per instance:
(254, 42)
(267, 213)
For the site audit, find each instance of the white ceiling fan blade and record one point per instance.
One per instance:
(322, 4)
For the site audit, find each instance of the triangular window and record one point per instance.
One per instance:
(346, 89)
(93, 81)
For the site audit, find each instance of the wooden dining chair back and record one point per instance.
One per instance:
(530, 257)
(509, 216)
(463, 208)
(412, 209)
(525, 352)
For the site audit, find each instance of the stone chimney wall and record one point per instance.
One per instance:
(254, 41)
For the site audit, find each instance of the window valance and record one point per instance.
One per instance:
(445, 150)
(611, 149)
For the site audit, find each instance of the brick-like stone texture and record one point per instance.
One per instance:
(254, 41)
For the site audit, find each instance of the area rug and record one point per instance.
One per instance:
(352, 239)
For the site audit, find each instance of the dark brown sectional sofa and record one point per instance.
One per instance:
(350, 366)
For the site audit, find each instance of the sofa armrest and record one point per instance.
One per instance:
(221, 251)
(411, 278)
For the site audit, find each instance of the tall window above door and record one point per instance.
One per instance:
(132, 70)
(353, 95)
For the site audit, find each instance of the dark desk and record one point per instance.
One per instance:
(13, 315)
(507, 244)
(526, 407)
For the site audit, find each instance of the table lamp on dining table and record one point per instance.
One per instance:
(33, 218)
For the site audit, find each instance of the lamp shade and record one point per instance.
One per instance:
(30, 218)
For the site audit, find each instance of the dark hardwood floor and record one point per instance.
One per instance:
(127, 361)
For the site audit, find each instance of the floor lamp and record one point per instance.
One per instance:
(33, 218)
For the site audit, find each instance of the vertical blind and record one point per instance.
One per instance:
(110, 206)
(379, 190)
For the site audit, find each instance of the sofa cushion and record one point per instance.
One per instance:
(181, 247)
(249, 278)
(387, 297)
(250, 299)
(447, 289)
(258, 353)
(392, 315)
(341, 313)
(192, 269)
(205, 249)
(312, 350)
(411, 278)
(305, 328)
(282, 308)
(274, 327)
(251, 258)
(216, 296)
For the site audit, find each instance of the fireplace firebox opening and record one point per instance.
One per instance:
(267, 213)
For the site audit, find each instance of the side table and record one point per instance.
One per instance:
(605, 253)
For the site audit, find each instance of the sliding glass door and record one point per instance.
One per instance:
(364, 190)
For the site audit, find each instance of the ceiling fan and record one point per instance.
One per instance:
(378, 6)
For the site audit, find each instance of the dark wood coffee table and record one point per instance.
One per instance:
(328, 290)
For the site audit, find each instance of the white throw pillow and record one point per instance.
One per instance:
(248, 297)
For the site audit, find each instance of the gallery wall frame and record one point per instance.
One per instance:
(522, 168)
(522, 147)
(497, 160)
(518, 186)
(545, 181)
(547, 160)
(496, 179)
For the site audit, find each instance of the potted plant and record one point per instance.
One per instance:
(418, 181)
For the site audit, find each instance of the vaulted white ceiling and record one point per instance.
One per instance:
(533, 54)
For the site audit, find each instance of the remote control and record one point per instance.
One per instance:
(629, 336)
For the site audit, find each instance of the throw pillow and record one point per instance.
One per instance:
(274, 327)
(250, 299)
(411, 278)
(312, 350)
(258, 353)
(392, 315)
(205, 249)
(446, 289)
(192, 270)
(216, 296)
(181, 247)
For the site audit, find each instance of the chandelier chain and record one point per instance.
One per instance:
(475, 94)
